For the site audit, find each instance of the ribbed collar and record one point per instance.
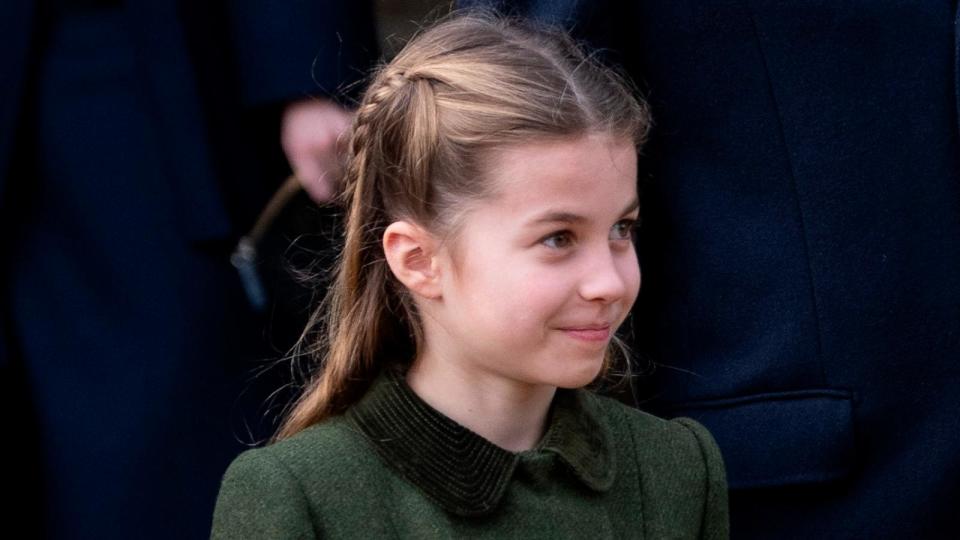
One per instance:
(460, 470)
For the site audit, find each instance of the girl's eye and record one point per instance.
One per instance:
(558, 240)
(623, 230)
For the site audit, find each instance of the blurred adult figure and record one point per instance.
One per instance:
(800, 249)
(138, 139)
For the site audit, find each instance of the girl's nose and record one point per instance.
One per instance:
(605, 279)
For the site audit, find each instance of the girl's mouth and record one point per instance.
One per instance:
(590, 333)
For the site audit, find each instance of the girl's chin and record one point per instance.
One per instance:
(579, 377)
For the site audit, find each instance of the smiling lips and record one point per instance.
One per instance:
(590, 333)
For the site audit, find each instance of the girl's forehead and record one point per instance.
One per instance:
(592, 170)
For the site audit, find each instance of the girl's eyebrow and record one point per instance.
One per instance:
(634, 205)
(570, 218)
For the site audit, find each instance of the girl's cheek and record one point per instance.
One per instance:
(636, 278)
(546, 296)
(630, 270)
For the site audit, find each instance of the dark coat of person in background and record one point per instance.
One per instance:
(138, 139)
(800, 250)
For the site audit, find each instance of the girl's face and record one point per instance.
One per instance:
(544, 271)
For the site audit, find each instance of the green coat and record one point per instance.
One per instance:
(393, 467)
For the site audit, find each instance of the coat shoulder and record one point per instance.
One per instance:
(658, 434)
(330, 453)
(288, 488)
(681, 471)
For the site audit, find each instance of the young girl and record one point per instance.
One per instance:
(488, 263)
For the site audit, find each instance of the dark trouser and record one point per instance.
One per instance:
(132, 347)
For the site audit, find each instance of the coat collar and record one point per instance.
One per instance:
(460, 470)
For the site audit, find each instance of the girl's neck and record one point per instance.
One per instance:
(508, 413)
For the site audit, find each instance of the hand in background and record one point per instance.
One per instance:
(310, 137)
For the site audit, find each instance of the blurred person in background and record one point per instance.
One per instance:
(138, 140)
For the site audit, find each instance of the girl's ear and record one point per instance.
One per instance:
(411, 253)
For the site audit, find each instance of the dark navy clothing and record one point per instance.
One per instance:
(132, 159)
(800, 250)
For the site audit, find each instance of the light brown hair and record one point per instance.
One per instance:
(469, 85)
